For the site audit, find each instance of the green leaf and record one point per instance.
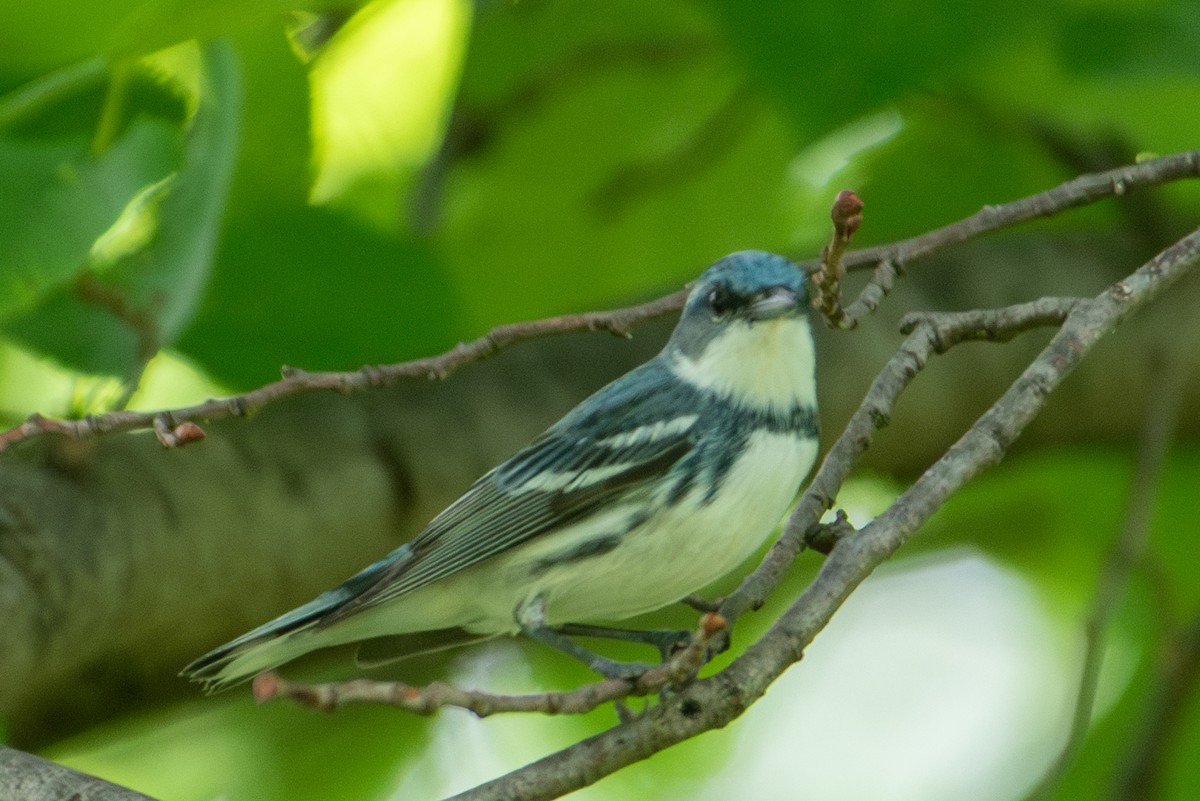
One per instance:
(41, 36)
(369, 139)
(56, 199)
(128, 309)
(172, 272)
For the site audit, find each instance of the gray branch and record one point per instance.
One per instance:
(25, 777)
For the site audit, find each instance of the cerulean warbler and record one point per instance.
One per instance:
(660, 483)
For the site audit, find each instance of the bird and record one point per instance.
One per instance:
(655, 486)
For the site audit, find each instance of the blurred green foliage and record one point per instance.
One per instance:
(186, 177)
(535, 158)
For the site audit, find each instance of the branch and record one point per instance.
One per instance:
(175, 427)
(715, 701)
(141, 322)
(1081, 191)
(25, 776)
(888, 261)
(681, 668)
(827, 280)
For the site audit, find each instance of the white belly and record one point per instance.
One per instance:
(684, 547)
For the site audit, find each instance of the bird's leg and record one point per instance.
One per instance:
(667, 641)
(531, 617)
(701, 604)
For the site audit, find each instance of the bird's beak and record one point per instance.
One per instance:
(775, 302)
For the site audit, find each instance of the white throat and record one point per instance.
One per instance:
(768, 364)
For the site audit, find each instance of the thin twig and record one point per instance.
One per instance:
(1074, 193)
(890, 260)
(675, 672)
(1139, 775)
(142, 322)
(618, 322)
(700, 603)
(879, 287)
(846, 216)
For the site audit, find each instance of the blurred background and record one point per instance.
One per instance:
(193, 194)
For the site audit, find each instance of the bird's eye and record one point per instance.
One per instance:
(721, 301)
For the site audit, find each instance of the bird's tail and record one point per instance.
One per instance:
(287, 636)
(266, 647)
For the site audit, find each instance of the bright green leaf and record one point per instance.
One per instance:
(123, 314)
(381, 91)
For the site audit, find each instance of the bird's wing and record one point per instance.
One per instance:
(611, 447)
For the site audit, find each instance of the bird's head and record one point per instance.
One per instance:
(741, 290)
(744, 330)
